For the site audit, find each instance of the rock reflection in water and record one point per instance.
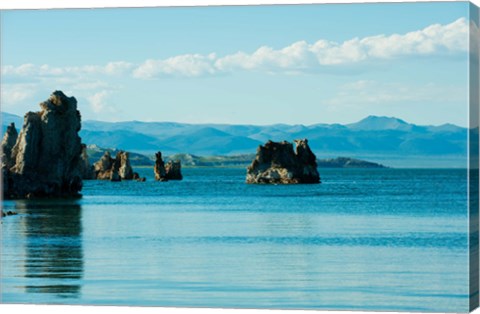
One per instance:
(54, 255)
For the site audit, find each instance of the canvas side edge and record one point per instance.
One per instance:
(473, 157)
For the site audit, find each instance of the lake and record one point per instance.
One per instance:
(364, 239)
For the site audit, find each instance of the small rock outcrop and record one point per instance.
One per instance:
(8, 213)
(103, 167)
(169, 171)
(125, 171)
(159, 168)
(9, 140)
(137, 177)
(173, 170)
(278, 163)
(114, 169)
(88, 171)
(46, 158)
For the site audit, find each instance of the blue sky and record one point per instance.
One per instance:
(301, 64)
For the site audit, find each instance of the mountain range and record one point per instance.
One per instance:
(388, 140)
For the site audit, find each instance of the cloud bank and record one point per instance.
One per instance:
(45, 70)
(304, 57)
(299, 57)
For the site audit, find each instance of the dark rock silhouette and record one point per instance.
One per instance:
(159, 168)
(173, 170)
(46, 158)
(9, 213)
(103, 167)
(277, 163)
(88, 171)
(9, 140)
(169, 171)
(114, 169)
(137, 177)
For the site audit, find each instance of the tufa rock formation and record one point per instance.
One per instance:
(88, 171)
(103, 167)
(115, 169)
(169, 171)
(46, 158)
(125, 171)
(9, 140)
(277, 163)
(173, 170)
(159, 168)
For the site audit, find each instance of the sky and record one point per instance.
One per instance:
(294, 64)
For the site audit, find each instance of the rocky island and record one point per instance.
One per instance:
(45, 160)
(169, 171)
(278, 163)
(115, 169)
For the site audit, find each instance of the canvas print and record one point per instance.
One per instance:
(283, 156)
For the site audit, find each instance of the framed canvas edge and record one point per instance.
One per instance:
(473, 155)
(473, 177)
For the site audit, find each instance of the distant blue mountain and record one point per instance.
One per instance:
(375, 123)
(375, 138)
(123, 139)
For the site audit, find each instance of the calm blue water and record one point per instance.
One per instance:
(380, 239)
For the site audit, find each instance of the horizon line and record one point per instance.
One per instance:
(268, 124)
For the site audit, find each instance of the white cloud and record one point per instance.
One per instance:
(293, 58)
(14, 94)
(189, 65)
(99, 104)
(296, 58)
(32, 70)
(435, 38)
(303, 57)
(45, 70)
(117, 68)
